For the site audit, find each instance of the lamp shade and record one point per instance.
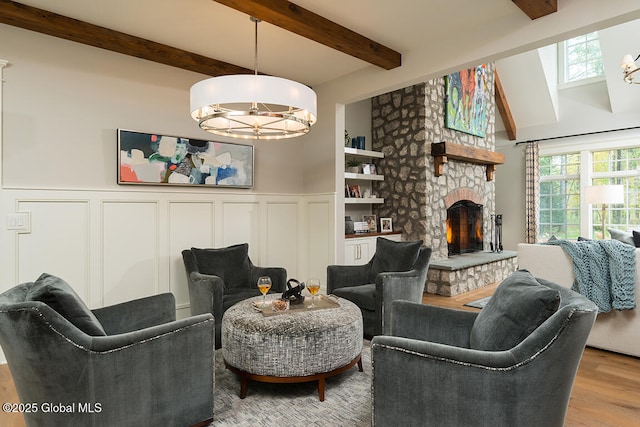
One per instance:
(604, 194)
(628, 63)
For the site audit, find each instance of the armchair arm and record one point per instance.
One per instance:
(339, 276)
(444, 384)
(278, 277)
(174, 363)
(205, 294)
(137, 314)
(440, 354)
(138, 337)
(431, 323)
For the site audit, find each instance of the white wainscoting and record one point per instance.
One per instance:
(113, 246)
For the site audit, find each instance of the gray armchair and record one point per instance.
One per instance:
(129, 364)
(512, 364)
(397, 271)
(219, 278)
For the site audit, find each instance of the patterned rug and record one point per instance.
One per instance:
(347, 400)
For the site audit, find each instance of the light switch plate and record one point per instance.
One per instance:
(19, 221)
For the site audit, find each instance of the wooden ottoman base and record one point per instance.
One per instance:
(320, 377)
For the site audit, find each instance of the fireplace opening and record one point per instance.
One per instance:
(464, 227)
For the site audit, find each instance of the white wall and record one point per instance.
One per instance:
(64, 101)
(116, 246)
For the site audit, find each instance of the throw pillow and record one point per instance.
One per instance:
(61, 297)
(231, 264)
(519, 305)
(623, 236)
(394, 256)
(636, 238)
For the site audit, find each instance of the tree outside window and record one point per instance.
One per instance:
(561, 177)
(582, 58)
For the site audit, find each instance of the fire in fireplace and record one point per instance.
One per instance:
(464, 227)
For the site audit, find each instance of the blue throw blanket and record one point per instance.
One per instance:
(604, 270)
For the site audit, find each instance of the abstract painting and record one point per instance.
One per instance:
(466, 101)
(147, 158)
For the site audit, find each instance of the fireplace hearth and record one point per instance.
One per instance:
(464, 227)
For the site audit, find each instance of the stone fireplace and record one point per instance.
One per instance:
(404, 125)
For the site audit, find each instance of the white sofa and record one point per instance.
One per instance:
(617, 331)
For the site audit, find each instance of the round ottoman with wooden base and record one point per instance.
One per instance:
(299, 345)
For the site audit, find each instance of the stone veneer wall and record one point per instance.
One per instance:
(454, 282)
(404, 124)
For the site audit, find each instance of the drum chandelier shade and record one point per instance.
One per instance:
(253, 106)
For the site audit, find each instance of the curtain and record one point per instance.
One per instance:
(532, 191)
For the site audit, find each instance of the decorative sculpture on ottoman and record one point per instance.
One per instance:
(293, 294)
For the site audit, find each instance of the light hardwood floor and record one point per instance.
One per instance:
(606, 391)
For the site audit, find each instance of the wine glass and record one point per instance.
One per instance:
(314, 286)
(264, 284)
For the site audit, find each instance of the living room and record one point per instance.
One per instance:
(115, 243)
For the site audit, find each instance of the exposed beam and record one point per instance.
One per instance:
(291, 17)
(45, 22)
(503, 108)
(537, 8)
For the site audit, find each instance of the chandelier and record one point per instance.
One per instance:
(253, 106)
(629, 67)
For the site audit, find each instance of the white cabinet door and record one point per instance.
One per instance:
(358, 251)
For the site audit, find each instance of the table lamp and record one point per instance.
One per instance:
(603, 195)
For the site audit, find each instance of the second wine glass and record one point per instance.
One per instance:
(314, 286)
(264, 284)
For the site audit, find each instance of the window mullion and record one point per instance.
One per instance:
(586, 214)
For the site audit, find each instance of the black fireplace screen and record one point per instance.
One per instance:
(464, 227)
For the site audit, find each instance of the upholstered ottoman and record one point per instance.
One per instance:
(298, 345)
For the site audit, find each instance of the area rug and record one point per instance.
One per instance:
(479, 303)
(347, 400)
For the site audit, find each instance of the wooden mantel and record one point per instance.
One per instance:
(444, 151)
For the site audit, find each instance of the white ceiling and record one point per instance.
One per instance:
(530, 82)
(415, 28)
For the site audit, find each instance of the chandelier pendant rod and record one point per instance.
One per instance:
(254, 104)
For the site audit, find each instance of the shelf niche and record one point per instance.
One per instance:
(442, 152)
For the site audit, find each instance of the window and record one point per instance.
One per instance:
(559, 197)
(581, 59)
(617, 167)
(563, 213)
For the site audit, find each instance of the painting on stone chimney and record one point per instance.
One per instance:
(466, 101)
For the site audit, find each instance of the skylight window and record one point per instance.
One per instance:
(581, 59)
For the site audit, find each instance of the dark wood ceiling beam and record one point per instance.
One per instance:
(45, 22)
(291, 17)
(505, 111)
(535, 9)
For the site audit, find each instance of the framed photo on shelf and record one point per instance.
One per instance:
(386, 225)
(354, 191)
(369, 168)
(371, 221)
